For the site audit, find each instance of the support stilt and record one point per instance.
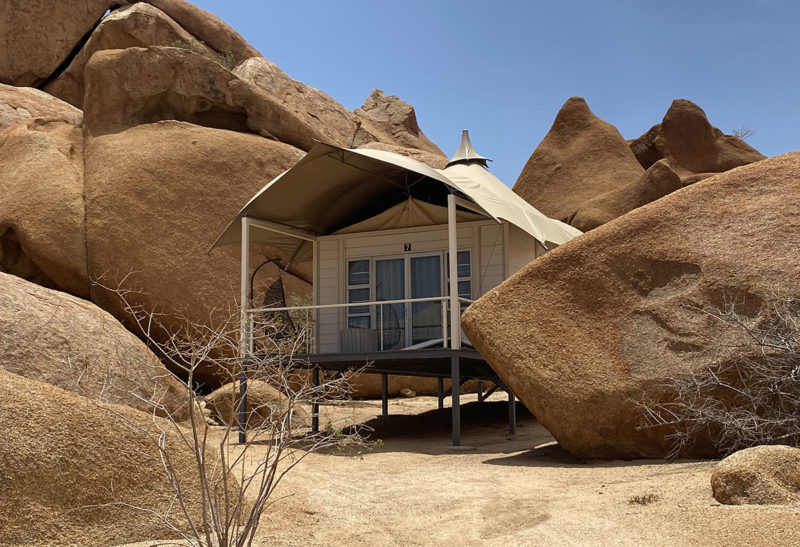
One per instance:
(315, 403)
(455, 379)
(440, 391)
(512, 412)
(384, 394)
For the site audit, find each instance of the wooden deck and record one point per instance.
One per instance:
(460, 365)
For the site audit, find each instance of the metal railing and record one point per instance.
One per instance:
(377, 312)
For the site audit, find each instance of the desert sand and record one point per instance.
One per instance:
(509, 490)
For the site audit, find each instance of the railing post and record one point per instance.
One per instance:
(443, 304)
(380, 322)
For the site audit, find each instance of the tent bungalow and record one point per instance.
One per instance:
(383, 234)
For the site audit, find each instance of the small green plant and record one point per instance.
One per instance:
(644, 499)
(192, 44)
(227, 58)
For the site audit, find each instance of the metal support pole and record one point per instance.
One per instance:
(384, 394)
(455, 379)
(244, 323)
(314, 401)
(443, 303)
(512, 412)
(440, 391)
(452, 245)
(480, 392)
(243, 403)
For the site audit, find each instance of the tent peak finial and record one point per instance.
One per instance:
(466, 153)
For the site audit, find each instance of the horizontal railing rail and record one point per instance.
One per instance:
(376, 307)
(349, 304)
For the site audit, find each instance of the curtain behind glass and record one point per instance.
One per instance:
(426, 281)
(390, 285)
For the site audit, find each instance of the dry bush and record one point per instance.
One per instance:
(743, 133)
(238, 479)
(750, 394)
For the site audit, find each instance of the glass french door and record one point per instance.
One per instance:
(426, 281)
(390, 284)
(404, 324)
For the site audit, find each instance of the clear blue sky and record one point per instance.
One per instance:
(502, 69)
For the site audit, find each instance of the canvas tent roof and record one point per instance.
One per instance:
(408, 214)
(333, 188)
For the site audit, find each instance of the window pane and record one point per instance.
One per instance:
(358, 295)
(465, 289)
(362, 322)
(358, 272)
(358, 309)
(464, 265)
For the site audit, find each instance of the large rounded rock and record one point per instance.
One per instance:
(138, 25)
(23, 103)
(391, 120)
(316, 109)
(135, 86)
(42, 228)
(588, 330)
(760, 475)
(658, 181)
(580, 158)
(36, 36)
(266, 406)
(207, 28)
(691, 144)
(69, 465)
(68, 342)
(157, 196)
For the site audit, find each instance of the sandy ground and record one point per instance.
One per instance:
(520, 490)
(509, 490)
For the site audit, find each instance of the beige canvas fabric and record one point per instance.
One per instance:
(409, 214)
(332, 189)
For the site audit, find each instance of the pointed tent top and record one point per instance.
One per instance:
(466, 153)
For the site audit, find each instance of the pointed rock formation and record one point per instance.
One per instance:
(658, 181)
(580, 158)
(23, 103)
(391, 120)
(36, 36)
(138, 25)
(691, 144)
(585, 331)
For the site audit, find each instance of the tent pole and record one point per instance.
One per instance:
(455, 389)
(314, 297)
(452, 245)
(384, 394)
(244, 324)
(512, 412)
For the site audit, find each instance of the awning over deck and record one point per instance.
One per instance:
(333, 188)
